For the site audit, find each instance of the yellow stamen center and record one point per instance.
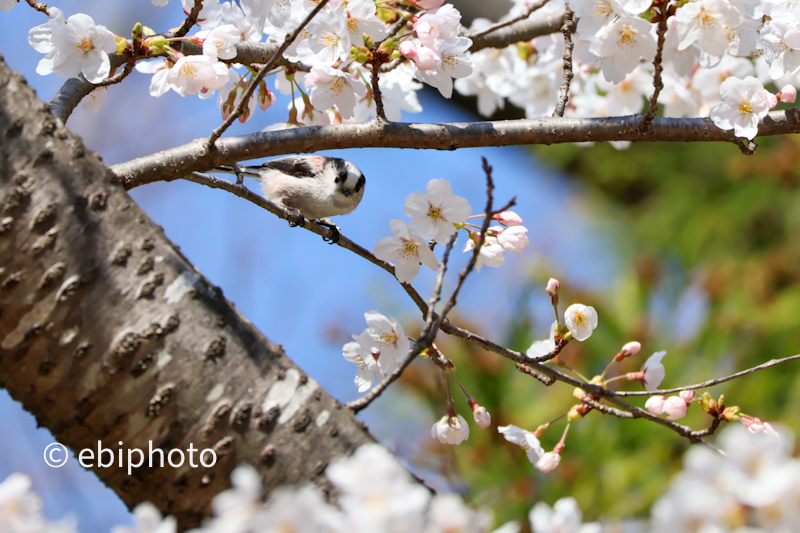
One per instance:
(435, 212)
(579, 318)
(744, 106)
(85, 45)
(189, 70)
(337, 86)
(409, 250)
(627, 37)
(707, 20)
(602, 8)
(328, 39)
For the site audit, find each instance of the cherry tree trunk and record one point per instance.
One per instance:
(109, 334)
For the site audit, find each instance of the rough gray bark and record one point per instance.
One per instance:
(108, 333)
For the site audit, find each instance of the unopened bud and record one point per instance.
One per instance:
(630, 349)
(772, 100)
(265, 97)
(729, 414)
(136, 34)
(509, 218)
(122, 45)
(686, 395)
(579, 394)
(481, 415)
(576, 412)
(368, 41)
(552, 287)
(788, 94)
(540, 430)
(675, 408)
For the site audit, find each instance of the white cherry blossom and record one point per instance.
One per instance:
(159, 68)
(328, 42)
(149, 520)
(81, 47)
(491, 253)
(93, 101)
(6, 5)
(744, 103)
(450, 430)
(388, 337)
(525, 440)
(220, 42)
(330, 86)
(705, 22)
(434, 212)
(622, 44)
(653, 371)
(564, 517)
(544, 347)
(362, 18)
(407, 249)
(197, 74)
(359, 352)
(581, 320)
(512, 239)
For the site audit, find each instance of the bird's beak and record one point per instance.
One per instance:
(346, 192)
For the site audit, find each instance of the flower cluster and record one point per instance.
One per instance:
(378, 350)
(749, 43)
(21, 509)
(754, 486)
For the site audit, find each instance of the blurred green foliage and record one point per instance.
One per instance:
(710, 272)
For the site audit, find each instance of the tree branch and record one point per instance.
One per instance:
(566, 29)
(709, 383)
(658, 85)
(500, 25)
(176, 162)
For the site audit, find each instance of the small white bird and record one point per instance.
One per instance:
(313, 186)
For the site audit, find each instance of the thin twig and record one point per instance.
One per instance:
(500, 25)
(709, 383)
(191, 19)
(657, 63)
(376, 89)
(424, 341)
(253, 85)
(566, 29)
(546, 380)
(39, 6)
(121, 75)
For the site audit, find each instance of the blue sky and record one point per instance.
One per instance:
(299, 291)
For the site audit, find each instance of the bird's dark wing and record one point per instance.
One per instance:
(296, 166)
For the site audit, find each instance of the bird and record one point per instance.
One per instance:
(313, 187)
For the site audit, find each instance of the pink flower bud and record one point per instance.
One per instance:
(408, 50)
(675, 408)
(655, 404)
(426, 59)
(508, 218)
(772, 99)
(429, 4)
(788, 94)
(552, 287)
(686, 395)
(481, 416)
(630, 349)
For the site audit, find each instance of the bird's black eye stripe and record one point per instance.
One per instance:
(361, 181)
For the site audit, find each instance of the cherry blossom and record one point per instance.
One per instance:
(491, 253)
(630, 349)
(388, 337)
(81, 47)
(434, 212)
(544, 347)
(197, 74)
(159, 68)
(653, 371)
(655, 404)
(581, 320)
(220, 42)
(525, 440)
(564, 517)
(93, 101)
(6, 5)
(675, 408)
(450, 430)
(705, 22)
(621, 44)
(359, 352)
(329, 40)
(149, 520)
(407, 249)
(480, 414)
(744, 103)
(512, 239)
(330, 86)
(548, 462)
